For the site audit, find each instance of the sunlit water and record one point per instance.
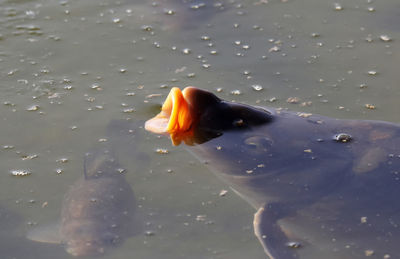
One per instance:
(68, 68)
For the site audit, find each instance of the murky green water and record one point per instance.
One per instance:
(68, 68)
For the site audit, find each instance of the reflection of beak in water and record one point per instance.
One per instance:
(98, 212)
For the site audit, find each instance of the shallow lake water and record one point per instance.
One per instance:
(69, 68)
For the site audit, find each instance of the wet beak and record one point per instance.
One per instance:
(176, 117)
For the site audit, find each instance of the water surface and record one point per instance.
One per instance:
(68, 68)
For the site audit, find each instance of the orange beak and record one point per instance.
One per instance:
(176, 118)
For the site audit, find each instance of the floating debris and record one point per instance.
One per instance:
(304, 114)
(236, 92)
(303, 104)
(62, 160)
(370, 106)
(8, 103)
(385, 38)
(363, 220)
(257, 87)
(20, 173)
(162, 151)
(29, 157)
(128, 110)
(95, 86)
(222, 193)
(116, 20)
(180, 70)
(34, 107)
(152, 96)
(293, 100)
(147, 28)
(186, 51)
(274, 49)
(342, 137)
(169, 11)
(201, 217)
(197, 6)
(338, 7)
(121, 170)
(369, 252)
(293, 244)
(315, 34)
(149, 233)
(59, 171)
